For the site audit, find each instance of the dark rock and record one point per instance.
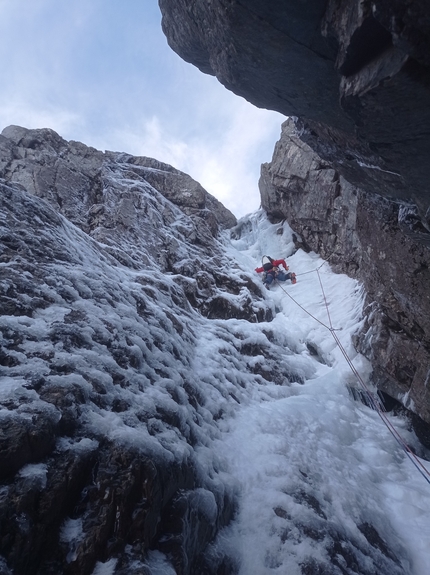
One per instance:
(41, 496)
(27, 438)
(422, 430)
(269, 54)
(375, 539)
(99, 267)
(355, 74)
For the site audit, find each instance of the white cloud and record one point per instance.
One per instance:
(227, 166)
(104, 75)
(21, 113)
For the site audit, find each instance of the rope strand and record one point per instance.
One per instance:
(325, 299)
(305, 310)
(373, 400)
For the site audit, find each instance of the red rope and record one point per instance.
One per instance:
(325, 299)
(374, 400)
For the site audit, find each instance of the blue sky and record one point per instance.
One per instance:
(101, 72)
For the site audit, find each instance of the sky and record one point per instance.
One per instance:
(102, 73)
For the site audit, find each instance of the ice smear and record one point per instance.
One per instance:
(35, 473)
(71, 530)
(314, 438)
(106, 568)
(159, 564)
(71, 534)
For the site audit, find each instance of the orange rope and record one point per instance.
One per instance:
(374, 400)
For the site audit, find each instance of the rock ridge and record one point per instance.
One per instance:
(74, 186)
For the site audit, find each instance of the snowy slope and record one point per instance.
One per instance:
(320, 475)
(152, 390)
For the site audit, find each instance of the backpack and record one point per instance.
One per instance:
(267, 263)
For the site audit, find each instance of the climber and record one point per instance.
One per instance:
(271, 270)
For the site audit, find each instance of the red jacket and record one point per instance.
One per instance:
(275, 263)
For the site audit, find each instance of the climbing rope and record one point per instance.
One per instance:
(375, 402)
(304, 309)
(311, 271)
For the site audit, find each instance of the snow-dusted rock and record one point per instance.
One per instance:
(100, 320)
(73, 178)
(159, 413)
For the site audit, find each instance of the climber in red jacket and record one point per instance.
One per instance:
(272, 271)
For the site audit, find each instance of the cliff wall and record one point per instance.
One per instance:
(378, 241)
(355, 73)
(135, 343)
(104, 285)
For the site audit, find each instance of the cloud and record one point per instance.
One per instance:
(102, 73)
(20, 113)
(227, 166)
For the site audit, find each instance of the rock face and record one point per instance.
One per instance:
(388, 253)
(74, 187)
(104, 287)
(355, 73)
